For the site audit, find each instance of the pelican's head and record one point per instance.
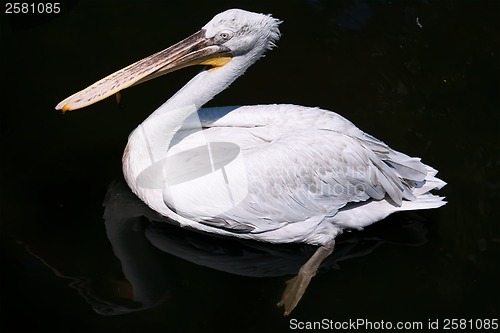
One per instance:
(233, 34)
(243, 32)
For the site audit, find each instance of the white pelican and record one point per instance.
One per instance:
(272, 173)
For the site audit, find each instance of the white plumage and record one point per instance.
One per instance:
(273, 173)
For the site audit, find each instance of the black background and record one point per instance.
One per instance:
(421, 76)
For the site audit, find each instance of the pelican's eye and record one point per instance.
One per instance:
(223, 36)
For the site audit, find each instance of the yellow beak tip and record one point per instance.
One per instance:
(66, 107)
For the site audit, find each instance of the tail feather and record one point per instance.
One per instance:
(424, 201)
(430, 183)
(362, 214)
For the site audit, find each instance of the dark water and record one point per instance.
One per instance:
(79, 253)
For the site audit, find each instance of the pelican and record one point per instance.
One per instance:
(274, 173)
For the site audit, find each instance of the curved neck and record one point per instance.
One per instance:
(163, 123)
(149, 142)
(199, 90)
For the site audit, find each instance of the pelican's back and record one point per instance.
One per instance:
(308, 173)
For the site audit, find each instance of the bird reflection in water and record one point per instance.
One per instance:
(137, 233)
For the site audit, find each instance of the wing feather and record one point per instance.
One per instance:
(303, 164)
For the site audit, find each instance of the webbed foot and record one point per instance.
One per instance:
(296, 287)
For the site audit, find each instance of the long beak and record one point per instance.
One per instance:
(194, 50)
